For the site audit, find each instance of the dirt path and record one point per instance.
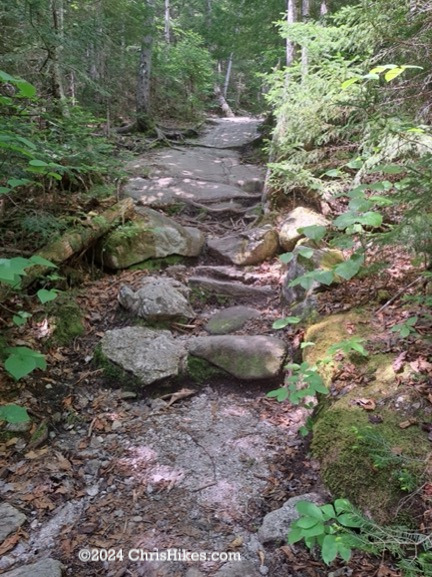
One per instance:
(198, 474)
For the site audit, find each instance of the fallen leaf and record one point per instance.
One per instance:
(408, 423)
(366, 404)
(235, 543)
(9, 543)
(399, 362)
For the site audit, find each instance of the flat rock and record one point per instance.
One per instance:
(157, 299)
(238, 569)
(150, 355)
(245, 357)
(10, 520)
(247, 248)
(150, 235)
(230, 132)
(276, 524)
(167, 191)
(230, 320)
(44, 568)
(231, 289)
(298, 218)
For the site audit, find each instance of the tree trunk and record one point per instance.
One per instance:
(144, 121)
(291, 18)
(304, 52)
(167, 22)
(324, 8)
(226, 109)
(228, 74)
(54, 49)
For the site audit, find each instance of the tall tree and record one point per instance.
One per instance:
(144, 120)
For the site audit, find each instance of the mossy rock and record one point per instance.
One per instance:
(349, 466)
(200, 370)
(67, 317)
(114, 374)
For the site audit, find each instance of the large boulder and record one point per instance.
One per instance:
(158, 299)
(300, 217)
(322, 259)
(148, 354)
(149, 235)
(246, 248)
(245, 357)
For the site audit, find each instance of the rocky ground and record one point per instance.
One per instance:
(205, 462)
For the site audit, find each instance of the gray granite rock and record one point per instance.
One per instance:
(298, 218)
(157, 299)
(230, 320)
(150, 235)
(246, 248)
(44, 568)
(276, 524)
(10, 520)
(149, 354)
(245, 357)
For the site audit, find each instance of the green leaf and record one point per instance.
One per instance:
(329, 549)
(13, 414)
(20, 318)
(36, 259)
(344, 552)
(310, 510)
(389, 168)
(346, 219)
(334, 173)
(355, 164)
(349, 268)
(392, 74)
(282, 323)
(38, 163)
(325, 277)
(14, 182)
(342, 506)
(46, 296)
(307, 522)
(295, 535)
(287, 257)
(280, 394)
(22, 361)
(26, 89)
(328, 512)
(315, 232)
(305, 252)
(373, 219)
(349, 83)
(350, 520)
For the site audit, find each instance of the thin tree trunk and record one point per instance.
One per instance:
(304, 52)
(54, 49)
(324, 8)
(167, 22)
(226, 109)
(228, 74)
(144, 121)
(291, 18)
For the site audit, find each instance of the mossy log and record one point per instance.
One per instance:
(77, 240)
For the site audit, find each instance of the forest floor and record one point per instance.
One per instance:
(122, 469)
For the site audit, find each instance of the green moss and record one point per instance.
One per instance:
(68, 319)
(348, 466)
(114, 374)
(200, 370)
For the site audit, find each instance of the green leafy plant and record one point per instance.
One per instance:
(327, 526)
(406, 329)
(22, 361)
(13, 414)
(301, 381)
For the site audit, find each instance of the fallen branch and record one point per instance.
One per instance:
(400, 293)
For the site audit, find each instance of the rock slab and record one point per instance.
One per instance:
(238, 569)
(44, 568)
(10, 520)
(150, 355)
(230, 320)
(276, 524)
(247, 248)
(158, 299)
(298, 218)
(149, 235)
(245, 357)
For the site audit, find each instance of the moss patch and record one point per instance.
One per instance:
(349, 466)
(114, 374)
(156, 264)
(200, 370)
(68, 319)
